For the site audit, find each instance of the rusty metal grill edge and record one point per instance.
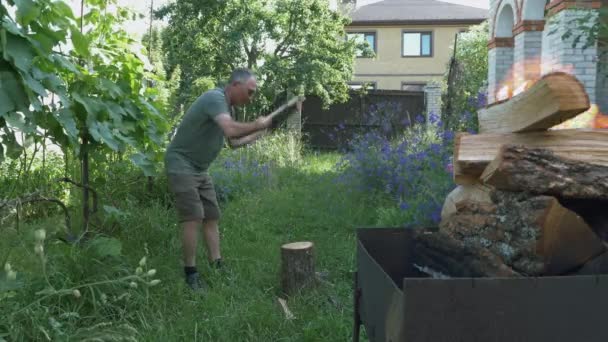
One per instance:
(395, 303)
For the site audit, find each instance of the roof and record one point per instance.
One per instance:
(390, 12)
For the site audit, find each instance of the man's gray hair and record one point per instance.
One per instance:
(241, 75)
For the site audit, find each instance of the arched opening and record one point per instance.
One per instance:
(505, 21)
(500, 78)
(528, 44)
(534, 9)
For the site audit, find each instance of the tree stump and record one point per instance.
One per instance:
(297, 266)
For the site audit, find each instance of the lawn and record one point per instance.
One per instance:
(273, 192)
(303, 203)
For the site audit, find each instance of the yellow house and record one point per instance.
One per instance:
(412, 41)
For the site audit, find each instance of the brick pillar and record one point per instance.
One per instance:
(602, 79)
(432, 92)
(528, 48)
(294, 120)
(559, 54)
(500, 65)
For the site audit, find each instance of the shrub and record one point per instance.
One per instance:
(467, 80)
(412, 171)
(246, 169)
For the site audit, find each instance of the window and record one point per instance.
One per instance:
(417, 44)
(363, 37)
(359, 85)
(417, 87)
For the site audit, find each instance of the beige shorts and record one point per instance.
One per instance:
(195, 197)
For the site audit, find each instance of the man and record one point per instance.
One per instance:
(198, 141)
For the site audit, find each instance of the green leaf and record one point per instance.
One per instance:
(106, 247)
(16, 120)
(13, 149)
(80, 42)
(144, 163)
(65, 117)
(116, 112)
(102, 133)
(113, 211)
(92, 106)
(12, 93)
(34, 85)
(26, 11)
(13, 28)
(66, 64)
(63, 9)
(20, 51)
(111, 88)
(45, 42)
(127, 140)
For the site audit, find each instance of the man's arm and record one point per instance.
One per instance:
(235, 129)
(246, 140)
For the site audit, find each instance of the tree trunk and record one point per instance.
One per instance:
(540, 171)
(297, 266)
(85, 185)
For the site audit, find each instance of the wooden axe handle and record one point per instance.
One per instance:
(289, 103)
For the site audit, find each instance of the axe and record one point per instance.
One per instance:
(283, 107)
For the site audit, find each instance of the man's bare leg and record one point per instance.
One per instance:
(212, 239)
(189, 242)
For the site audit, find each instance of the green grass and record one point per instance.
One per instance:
(303, 204)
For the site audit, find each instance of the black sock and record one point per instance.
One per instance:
(217, 263)
(189, 270)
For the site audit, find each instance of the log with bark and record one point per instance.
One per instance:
(540, 171)
(554, 98)
(440, 255)
(534, 235)
(473, 152)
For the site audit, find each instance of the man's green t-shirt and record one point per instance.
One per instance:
(199, 138)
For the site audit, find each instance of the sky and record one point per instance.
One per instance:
(139, 27)
(473, 3)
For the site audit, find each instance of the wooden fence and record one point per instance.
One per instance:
(382, 110)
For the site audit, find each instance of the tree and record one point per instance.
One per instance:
(294, 46)
(590, 29)
(468, 72)
(93, 96)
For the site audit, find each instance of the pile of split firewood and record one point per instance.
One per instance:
(530, 201)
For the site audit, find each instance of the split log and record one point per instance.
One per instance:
(440, 255)
(556, 97)
(533, 235)
(288, 314)
(297, 266)
(475, 193)
(473, 152)
(597, 265)
(592, 211)
(540, 171)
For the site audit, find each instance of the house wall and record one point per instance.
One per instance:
(538, 46)
(389, 69)
(602, 80)
(560, 55)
